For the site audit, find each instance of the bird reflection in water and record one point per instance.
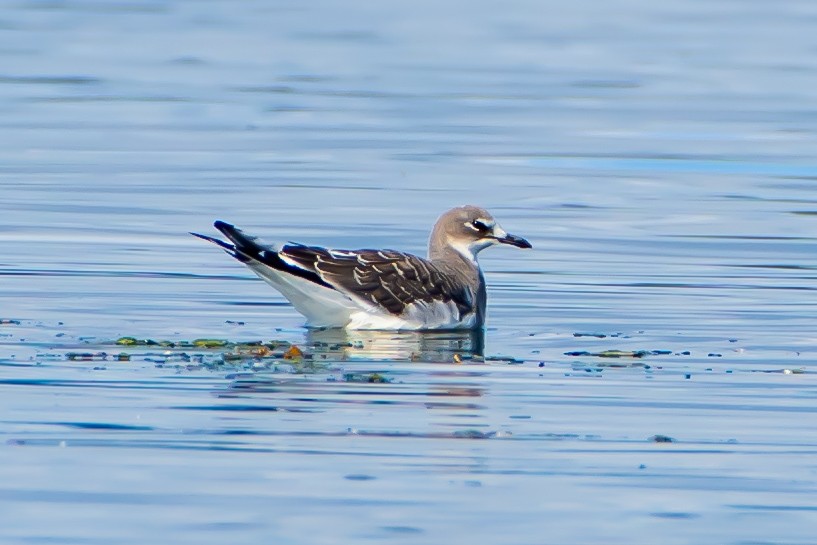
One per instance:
(372, 373)
(427, 346)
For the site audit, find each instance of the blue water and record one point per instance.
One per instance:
(659, 156)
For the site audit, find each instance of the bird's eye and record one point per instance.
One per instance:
(480, 226)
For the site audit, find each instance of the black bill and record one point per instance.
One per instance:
(514, 240)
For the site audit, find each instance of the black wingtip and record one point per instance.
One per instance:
(246, 249)
(236, 236)
(225, 245)
(223, 226)
(242, 241)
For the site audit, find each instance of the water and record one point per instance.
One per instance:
(658, 156)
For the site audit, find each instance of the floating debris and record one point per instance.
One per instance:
(787, 371)
(370, 378)
(502, 359)
(662, 439)
(599, 335)
(294, 353)
(86, 356)
(261, 351)
(613, 353)
(476, 434)
(620, 353)
(272, 355)
(210, 343)
(377, 378)
(599, 366)
(133, 341)
(471, 434)
(201, 343)
(208, 352)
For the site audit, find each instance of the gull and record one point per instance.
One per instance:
(381, 289)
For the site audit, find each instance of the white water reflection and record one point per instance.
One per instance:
(435, 346)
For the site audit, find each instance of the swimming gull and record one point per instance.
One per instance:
(381, 289)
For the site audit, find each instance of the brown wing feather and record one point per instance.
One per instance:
(386, 278)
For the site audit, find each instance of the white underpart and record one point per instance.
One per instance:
(417, 316)
(322, 306)
(327, 307)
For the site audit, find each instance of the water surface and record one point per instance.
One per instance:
(659, 158)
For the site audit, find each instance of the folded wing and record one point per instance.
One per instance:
(387, 279)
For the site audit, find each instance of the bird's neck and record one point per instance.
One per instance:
(455, 261)
(451, 261)
(442, 248)
(452, 253)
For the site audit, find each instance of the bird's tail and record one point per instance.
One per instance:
(244, 248)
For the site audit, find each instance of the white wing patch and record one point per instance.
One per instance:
(341, 253)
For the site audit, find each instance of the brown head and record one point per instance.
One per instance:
(469, 230)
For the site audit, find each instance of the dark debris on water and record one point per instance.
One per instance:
(275, 355)
(370, 378)
(598, 335)
(202, 343)
(200, 353)
(620, 353)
